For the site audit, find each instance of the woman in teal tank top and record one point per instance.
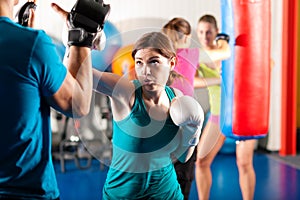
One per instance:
(144, 136)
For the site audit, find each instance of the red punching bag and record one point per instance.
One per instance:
(252, 68)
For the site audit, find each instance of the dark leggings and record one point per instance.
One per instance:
(186, 174)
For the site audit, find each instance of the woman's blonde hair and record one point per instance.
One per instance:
(176, 28)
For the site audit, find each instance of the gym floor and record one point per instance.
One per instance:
(278, 178)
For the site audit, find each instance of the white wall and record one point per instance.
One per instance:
(122, 11)
(126, 13)
(274, 138)
(191, 10)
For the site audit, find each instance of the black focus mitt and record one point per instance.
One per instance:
(85, 20)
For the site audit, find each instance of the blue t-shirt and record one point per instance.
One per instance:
(141, 165)
(30, 70)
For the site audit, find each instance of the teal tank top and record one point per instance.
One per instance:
(141, 166)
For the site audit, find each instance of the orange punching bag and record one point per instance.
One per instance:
(251, 94)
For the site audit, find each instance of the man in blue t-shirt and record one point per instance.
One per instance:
(33, 79)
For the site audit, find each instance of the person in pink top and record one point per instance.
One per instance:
(186, 66)
(179, 31)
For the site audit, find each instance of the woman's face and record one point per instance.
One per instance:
(152, 69)
(206, 33)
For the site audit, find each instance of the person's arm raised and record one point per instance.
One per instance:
(74, 96)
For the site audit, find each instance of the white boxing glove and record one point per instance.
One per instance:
(187, 113)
